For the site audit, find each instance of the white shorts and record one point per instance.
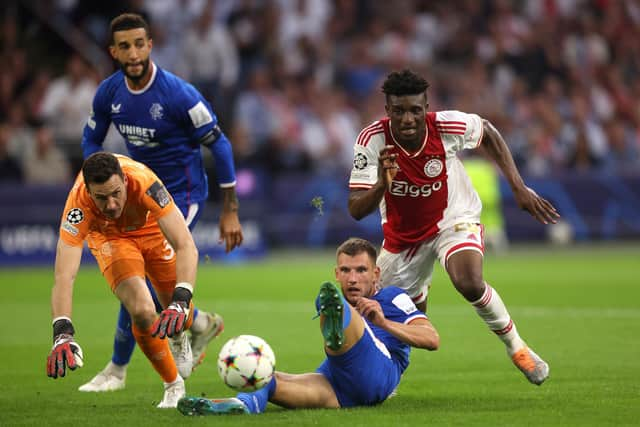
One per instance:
(412, 268)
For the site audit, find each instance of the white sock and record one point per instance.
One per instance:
(494, 313)
(177, 380)
(200, 323)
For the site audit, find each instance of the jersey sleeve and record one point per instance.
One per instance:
(399, 307)
(203, 127)
(366, 152)
(195, 112)
(97, 124)
(458, 130)
(223, 158)
(154, 196)
(76, 217)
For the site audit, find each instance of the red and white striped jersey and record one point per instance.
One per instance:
(431, 191)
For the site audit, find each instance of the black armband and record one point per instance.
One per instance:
(62, 326)
(211, 137)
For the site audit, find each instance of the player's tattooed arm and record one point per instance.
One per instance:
(230, 228)
(526, 198)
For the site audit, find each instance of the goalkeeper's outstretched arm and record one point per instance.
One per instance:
(66, 268)
(65, 353)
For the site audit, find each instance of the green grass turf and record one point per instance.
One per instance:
(578, 308)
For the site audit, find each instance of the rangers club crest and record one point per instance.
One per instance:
(75, 216)
(360, 161)
(156, 111)
(433, 168)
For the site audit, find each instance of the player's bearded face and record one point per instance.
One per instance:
(357, 275)
(135, 70)
(131, 50)
(407, 118)
(110, 196)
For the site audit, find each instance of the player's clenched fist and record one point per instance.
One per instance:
(371, 310)
(388, 167)
(66, 353)
(171, 321)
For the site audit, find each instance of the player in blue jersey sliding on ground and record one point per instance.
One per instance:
(164, 122)
(366, 330)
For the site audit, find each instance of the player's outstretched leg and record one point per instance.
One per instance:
(532, 366)
(243, 403)
(331, 305)
(494, 312)
(203, 406)
(205, 328)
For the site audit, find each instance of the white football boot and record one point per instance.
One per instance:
(181, 350)
(111, 378)
(200, 341)
(172, 393)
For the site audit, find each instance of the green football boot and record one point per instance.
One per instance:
(330, 304)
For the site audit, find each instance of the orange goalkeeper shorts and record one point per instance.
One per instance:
(149, 256)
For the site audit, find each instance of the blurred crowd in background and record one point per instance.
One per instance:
(294, 81)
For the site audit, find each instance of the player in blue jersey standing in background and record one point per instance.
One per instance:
(164, 122)
(368, 335)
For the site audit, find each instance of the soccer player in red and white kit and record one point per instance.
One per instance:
(406, 165)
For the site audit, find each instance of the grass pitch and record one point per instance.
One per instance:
(579, 308)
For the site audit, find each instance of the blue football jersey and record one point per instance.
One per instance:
(397, 306)
(163, 125)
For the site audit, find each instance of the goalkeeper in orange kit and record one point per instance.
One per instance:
(133, 229)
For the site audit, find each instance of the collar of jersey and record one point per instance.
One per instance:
(154, 70)
(419, 150)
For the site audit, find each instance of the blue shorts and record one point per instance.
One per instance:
(363, 376)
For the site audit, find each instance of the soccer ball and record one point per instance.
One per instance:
(246, 363)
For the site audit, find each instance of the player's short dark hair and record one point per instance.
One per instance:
(404, 82)
(128, 21)
(355, 245)
(99, 167)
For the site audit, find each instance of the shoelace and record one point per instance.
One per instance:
(180, 347)
(184, 343)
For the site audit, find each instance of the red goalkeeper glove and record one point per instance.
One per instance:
(65, 353)
(173, 318)
(171, 321)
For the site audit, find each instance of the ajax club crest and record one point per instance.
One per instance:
(433, 168)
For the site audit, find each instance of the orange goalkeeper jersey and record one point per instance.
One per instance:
(147, 201)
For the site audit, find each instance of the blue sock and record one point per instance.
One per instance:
(257, 401)
(346, 312)
(124, 342)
